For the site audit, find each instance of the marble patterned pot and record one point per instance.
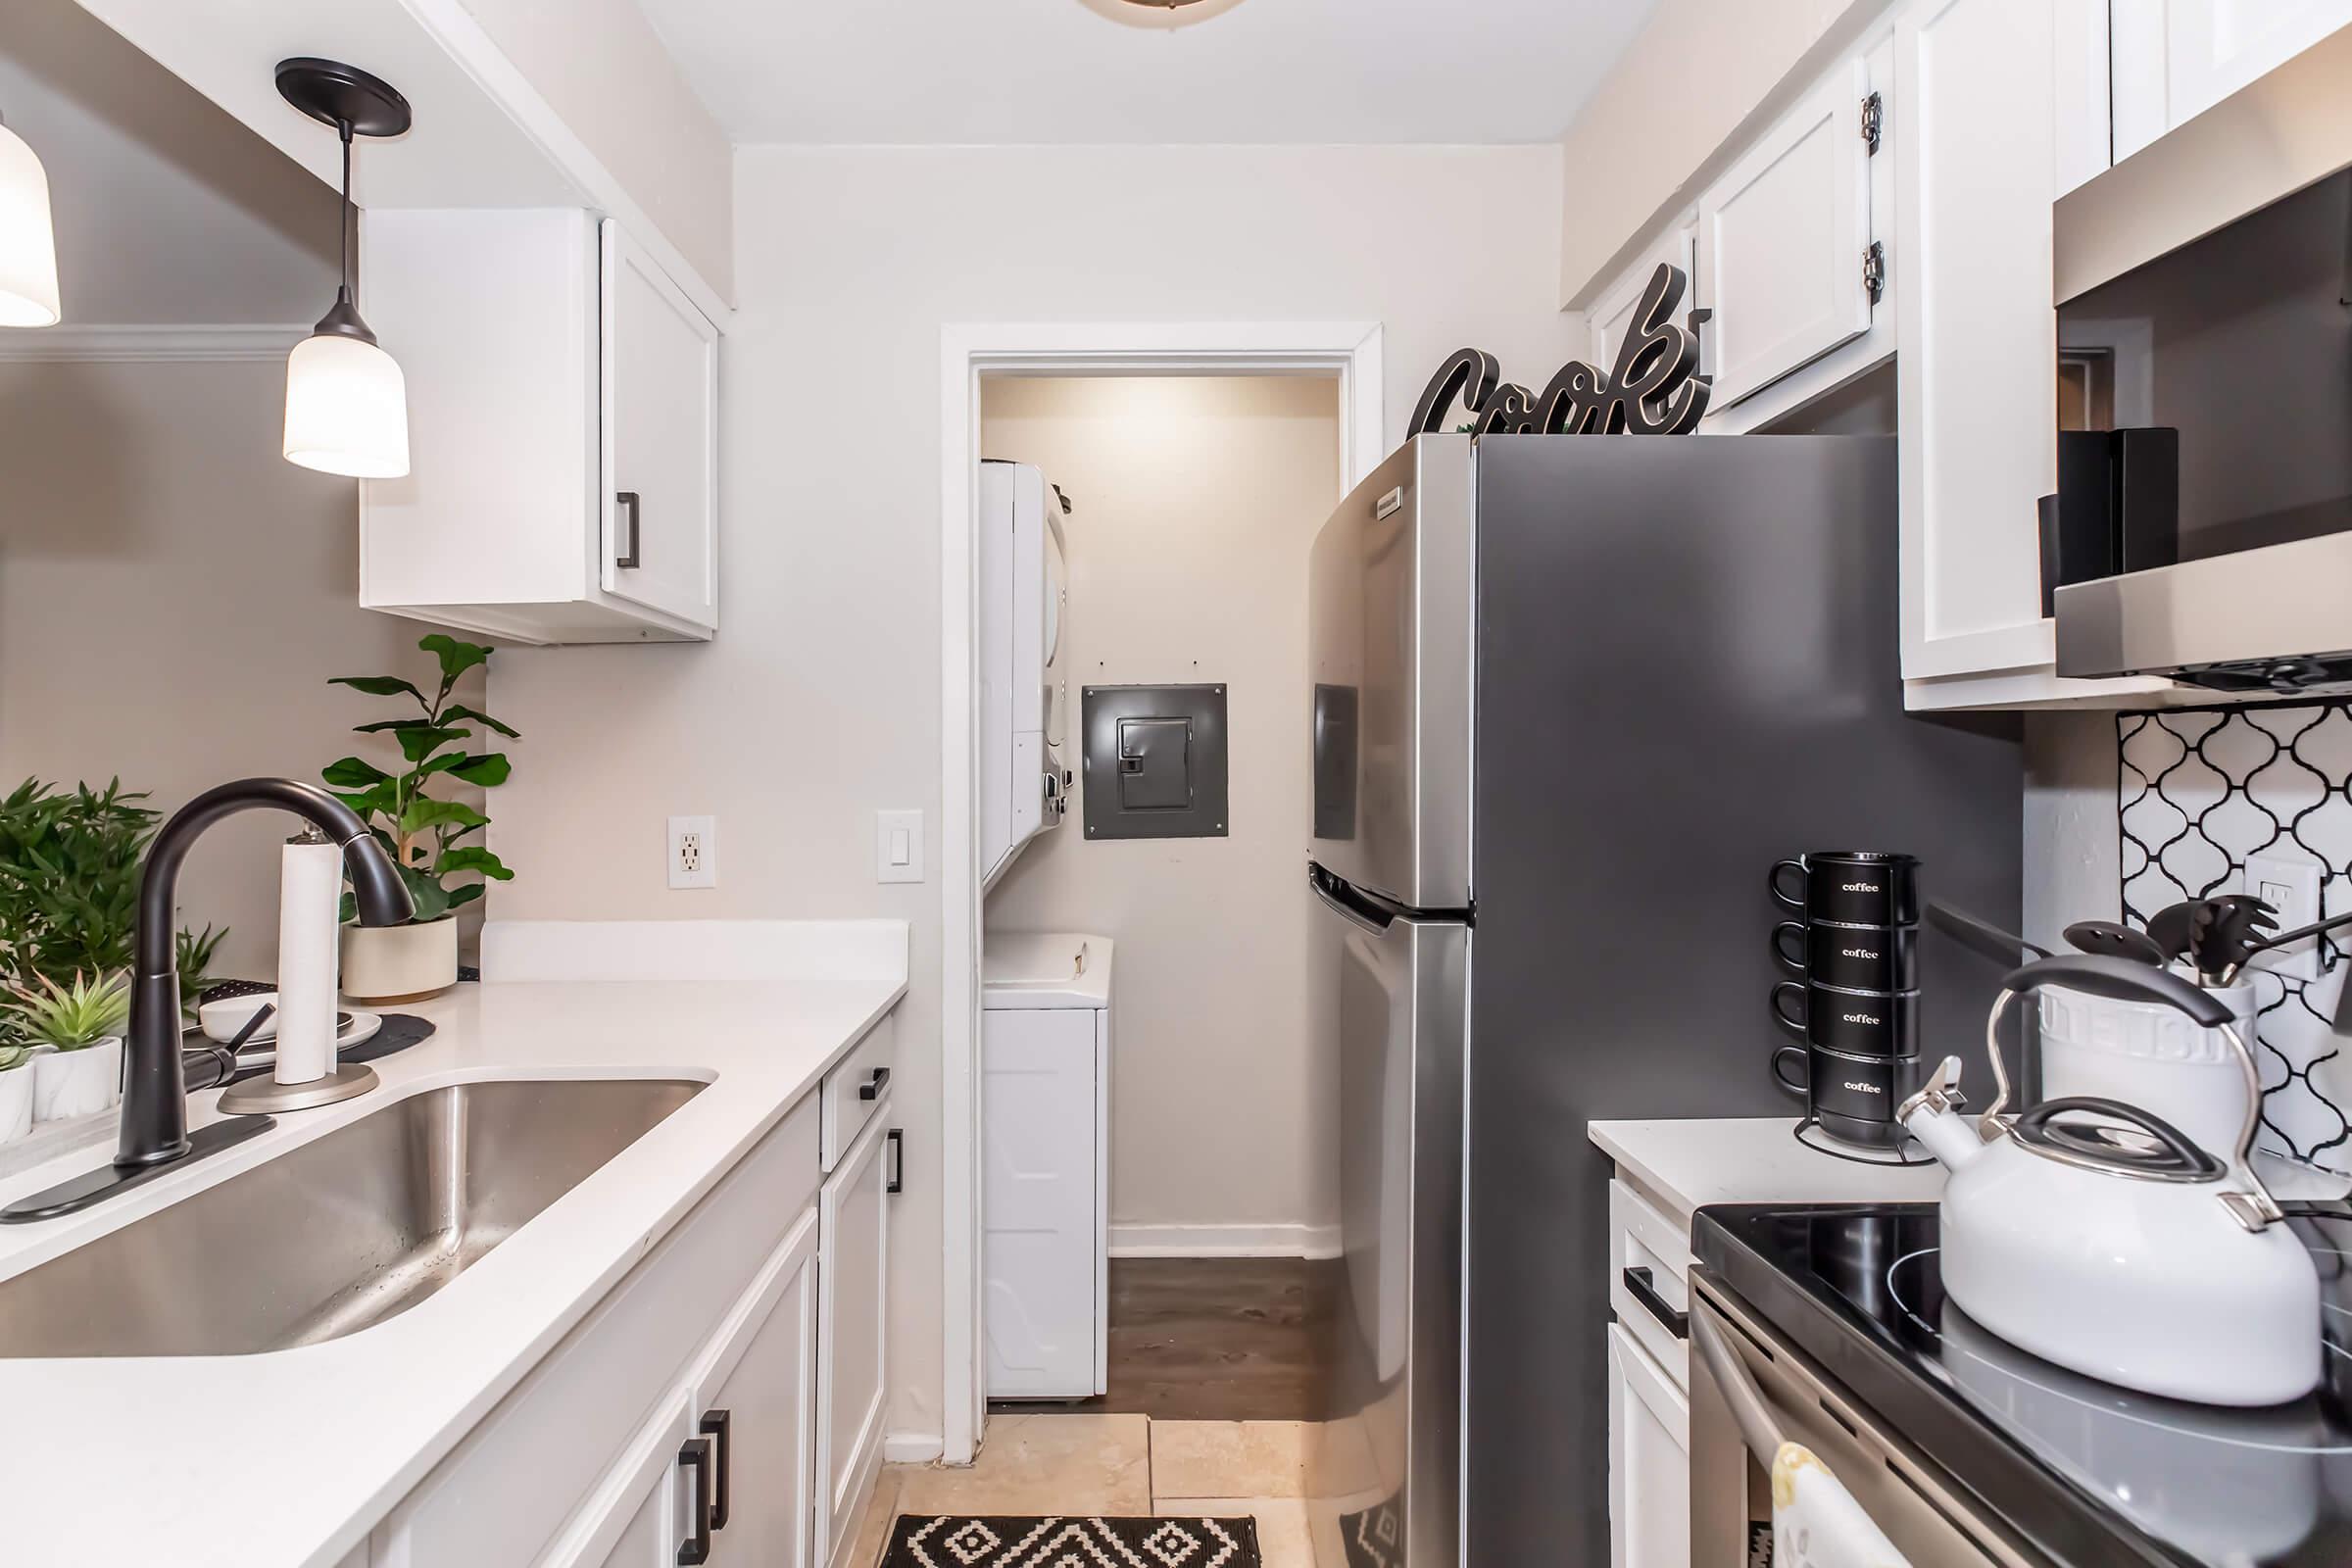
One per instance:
(77, 1082)
(16, 1101)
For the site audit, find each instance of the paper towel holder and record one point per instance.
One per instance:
(265, 1094)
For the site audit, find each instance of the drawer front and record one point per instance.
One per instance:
(1646, 1250)
(542, 1451)
(855, 1090)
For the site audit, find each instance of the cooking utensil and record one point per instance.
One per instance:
(2106, 939)
(2171, 926)
(2001, 946)
(2226, 937)
(2119, 1248)
(2283, 937)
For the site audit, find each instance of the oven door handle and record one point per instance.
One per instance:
(1749, 1413)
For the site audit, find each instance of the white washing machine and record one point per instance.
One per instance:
(1045, 1135)
(1024, 695)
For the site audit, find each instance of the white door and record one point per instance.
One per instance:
(2175, 59)
(1977, 376)
(1038, 1138)
(854, 1221)
(1649, 1460)
(1782, 241)
(661, 437)
(758, 1403)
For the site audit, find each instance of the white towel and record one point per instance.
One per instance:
(1816, 1523)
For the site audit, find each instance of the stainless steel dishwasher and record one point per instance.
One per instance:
(1751, 1391)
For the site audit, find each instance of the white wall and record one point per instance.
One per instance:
(2072, 841)
(173, 596)
(819, 700)
(1195, 499)
(602, 68)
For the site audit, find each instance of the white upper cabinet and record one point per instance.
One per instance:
(1606, 321)
(2175, 59)
(552, 371)
(1784, 239)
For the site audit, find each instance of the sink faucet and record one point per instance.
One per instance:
(155, 1095)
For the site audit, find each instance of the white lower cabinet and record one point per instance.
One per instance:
(722, 1405)
(1044, 1090)
(853, 1280)
(1649, 1460)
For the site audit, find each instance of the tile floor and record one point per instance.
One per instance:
(1132, 1464)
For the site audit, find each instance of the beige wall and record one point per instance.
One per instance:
(1649, 139)
(1194, 501)
(819, 700)
(602, 69)
(173, 596)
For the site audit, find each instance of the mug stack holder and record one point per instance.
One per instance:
(1853, 1003)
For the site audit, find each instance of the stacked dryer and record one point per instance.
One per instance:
(1024, 593)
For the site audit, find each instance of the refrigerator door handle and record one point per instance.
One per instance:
(1348, 905)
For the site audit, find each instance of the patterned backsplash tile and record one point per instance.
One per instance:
(2199, 792)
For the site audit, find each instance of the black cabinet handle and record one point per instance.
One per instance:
(718, 1427)
(696, 1547)
(897, 1139)
(1678, 1324)
(871, 1088)
(626, 501)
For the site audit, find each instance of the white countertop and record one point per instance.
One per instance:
(1751, 1159)
(267, 1461)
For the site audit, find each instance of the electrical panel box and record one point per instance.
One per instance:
(1154, 762)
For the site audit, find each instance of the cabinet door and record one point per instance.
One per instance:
(1782, 238)
(1615, 307)
(661, 437)
(642, 1512)
(2175, 59)
(758, 1400)
(1649, 1460)
(1038, 1149)
(1977, 374)
(853, 1272)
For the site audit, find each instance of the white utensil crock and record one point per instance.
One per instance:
(2151, 1056)
(77, 1082)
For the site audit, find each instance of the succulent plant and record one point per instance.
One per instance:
(72, 1016)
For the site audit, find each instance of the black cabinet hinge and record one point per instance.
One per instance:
(1874, 121)
(1874, 272)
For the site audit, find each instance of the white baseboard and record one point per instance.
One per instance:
(912, 1447)
(1225, 1241)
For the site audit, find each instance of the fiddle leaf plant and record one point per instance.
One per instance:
(424, 831)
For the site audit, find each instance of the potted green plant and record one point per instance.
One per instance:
(426, 834)
(82, 1024)
(15, 1092)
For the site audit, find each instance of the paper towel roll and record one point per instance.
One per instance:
(309, 908)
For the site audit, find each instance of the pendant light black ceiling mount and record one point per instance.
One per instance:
(343, 96)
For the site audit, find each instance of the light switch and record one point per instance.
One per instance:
(899, 846)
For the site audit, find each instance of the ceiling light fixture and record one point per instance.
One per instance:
(347, 404)
(28, 237)
(1164, 15)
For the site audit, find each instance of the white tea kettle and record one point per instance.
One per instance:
(2129, 1255)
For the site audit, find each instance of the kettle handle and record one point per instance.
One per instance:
(2128, 980)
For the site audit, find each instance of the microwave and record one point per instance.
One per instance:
(2203, 524)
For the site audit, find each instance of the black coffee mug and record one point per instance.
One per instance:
(1881, 1024)
(1853, 958)
(1850, 1089)
(1850, 887)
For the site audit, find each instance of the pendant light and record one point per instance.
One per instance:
(347, 404)
(28, 237)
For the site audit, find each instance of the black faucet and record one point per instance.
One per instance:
(155, 1095)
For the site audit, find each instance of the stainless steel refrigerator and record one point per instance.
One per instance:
(1572, 697)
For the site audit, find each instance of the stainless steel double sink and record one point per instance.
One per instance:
(338, 1234)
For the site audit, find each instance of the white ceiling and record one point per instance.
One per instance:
(168, 211)
(952, 71)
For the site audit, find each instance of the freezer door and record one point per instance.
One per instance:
(1391, 1007)
(1389, 596)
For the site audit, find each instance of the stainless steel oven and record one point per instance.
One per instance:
(1751, 1391)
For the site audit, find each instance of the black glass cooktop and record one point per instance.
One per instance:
(2088, 1473)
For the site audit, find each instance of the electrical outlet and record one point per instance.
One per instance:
(2292, 888)
(694, 852)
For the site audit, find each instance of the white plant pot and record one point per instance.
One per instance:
(400, 963)
(15, 1101)
(77, 1082)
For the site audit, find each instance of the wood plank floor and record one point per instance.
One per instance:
(1241, 1339)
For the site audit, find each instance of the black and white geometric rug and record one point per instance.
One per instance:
(1375, 1538)
(1000, 1541)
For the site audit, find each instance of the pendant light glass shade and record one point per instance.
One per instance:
(28, 238)
(347, 407)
